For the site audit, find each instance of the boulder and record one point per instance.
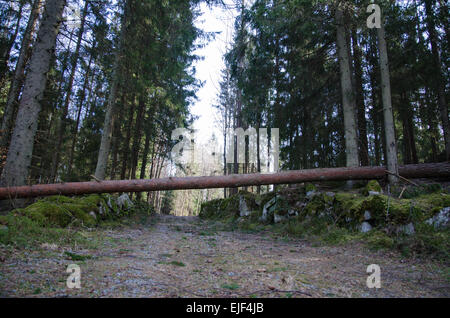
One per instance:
(310, 194)
(372, 188)
(365, 227)
(269, 209)
(440, 220)
(243, 208)
(124, 202)
(279, 218)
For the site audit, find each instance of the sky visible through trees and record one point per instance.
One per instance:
(98, 93)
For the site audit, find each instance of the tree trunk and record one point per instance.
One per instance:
(10, 43)
(137, 137)
(433, 170)
(348, 100)
(116, 139)
(20, 151)
(63, 120)
(409, 143)
(127, 141)
(19, 73)
(439, 83)
(145, 155)
(360, 105)
(80, 107)
(105, 145)
(389, 128)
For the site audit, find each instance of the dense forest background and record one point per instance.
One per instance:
(95, 88)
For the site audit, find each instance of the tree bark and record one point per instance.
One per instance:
(389, 128)
(360, 105)
(63, 120)
(409, 143)
(17, 80)
(137, 136)
(127, 141)
(348, 99)
(80, 107)
(105, 145)
(20, 151)
(433, 170)
(10, 42)
(439, 83)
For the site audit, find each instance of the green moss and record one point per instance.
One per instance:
(48, 213)
(3, 220)
(315, 205)
(232, 286)
(266, 197)
(310, 187)
(177, 263)
(61, 211)
(433, 203)
(37, 217)
(255, 215)
(348, 206)
(281, 205)
(335, 219)
(378, 240)
(210, 209)
(337, 235)
(222, 209)
(58, 199)
(229, 206)
(415, 191)
(250, 199)
(373, 186)
(24, 232)
(79, 212)
(76, 257)
(383, 208)
(426, 241)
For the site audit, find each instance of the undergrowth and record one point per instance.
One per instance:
(325, 219)
(22, 229)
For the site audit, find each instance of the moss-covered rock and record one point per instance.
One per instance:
(47, 213)
(348, 208)
(337, 217)
(247, 203)
(210, 209)
(343, 208)
(62, 211)
(372, 187)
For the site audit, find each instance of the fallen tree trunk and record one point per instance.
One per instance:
(433, 170)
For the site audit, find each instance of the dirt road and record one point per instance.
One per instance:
(188, 257)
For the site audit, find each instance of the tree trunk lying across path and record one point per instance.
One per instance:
(432, 170)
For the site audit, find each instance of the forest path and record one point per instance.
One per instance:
(189, 257)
